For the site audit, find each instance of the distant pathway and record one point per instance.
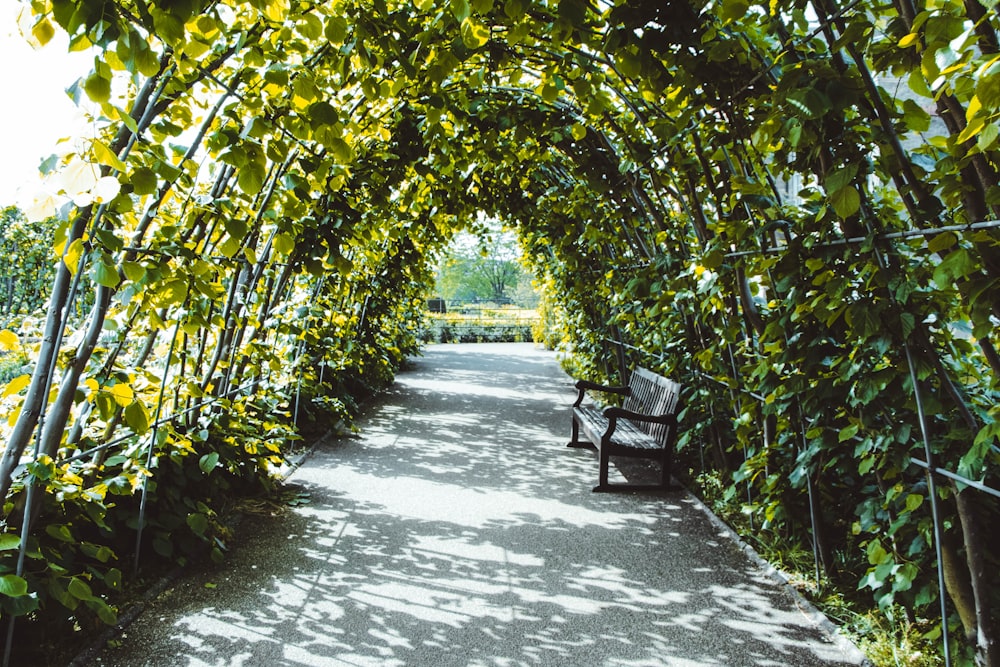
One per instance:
(459, 530)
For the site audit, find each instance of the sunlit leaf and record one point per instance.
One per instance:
(73, 254)
(9, 340)
(97, 88)
(16, 385)
(474, 33)
(121, 393)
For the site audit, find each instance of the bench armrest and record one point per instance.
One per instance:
(584, 385)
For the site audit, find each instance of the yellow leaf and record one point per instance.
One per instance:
(43, 31)
(975, 106)
(8, 340)
(106, 156)
(277, 10)
(972, 129)
(122, 393)
(909, 40)
(12, 417)
(16, 385)
(72, 256)
(92, 385)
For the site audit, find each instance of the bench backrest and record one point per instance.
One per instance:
(652, 394)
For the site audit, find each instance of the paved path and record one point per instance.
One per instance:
(459, 530)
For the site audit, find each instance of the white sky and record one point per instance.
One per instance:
(35, 111)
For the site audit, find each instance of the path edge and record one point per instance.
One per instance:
(829, 628)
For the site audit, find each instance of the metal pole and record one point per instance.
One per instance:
(152, 446)
(932, 492)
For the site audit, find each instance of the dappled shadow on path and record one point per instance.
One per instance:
(459, 530)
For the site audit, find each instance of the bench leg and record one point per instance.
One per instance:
(602, 471)
(666, 464)
(575, 438)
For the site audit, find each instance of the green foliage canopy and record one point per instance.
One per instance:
(737, 192)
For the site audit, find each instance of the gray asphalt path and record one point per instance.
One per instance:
(459, 530)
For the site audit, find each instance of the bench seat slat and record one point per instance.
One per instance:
(594, 424)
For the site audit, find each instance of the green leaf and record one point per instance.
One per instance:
(133, 271)
(43, 31)
(122, 393)
(913, 501)
(137, 417)
(9, 340)
(277, 10)
(915, 117)
(198, 523)
(208, 462)
(105, 273)
(284, 243)
(80, 589)
(9, 541)
(322, 113)
(733, 10)
(336, 30)
(988, 136)
(342, 151)
(460, 9)
(13, 586)
(251, 178)
(310, 26)
(942, 241)
(104, 611)
(73, 254)
(143, 181)
(98, 88)
(988, 84)
(846, 201)
(956, 265)
(514, 9)
(60, 531)
(19, 606)
(574, 12)
(847, 432)
(841, 178)
(106, 156)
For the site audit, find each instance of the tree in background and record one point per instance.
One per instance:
(483, 266)
(26, 276)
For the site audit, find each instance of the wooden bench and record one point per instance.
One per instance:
(644, 427)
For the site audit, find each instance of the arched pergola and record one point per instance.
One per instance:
(751, 198)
